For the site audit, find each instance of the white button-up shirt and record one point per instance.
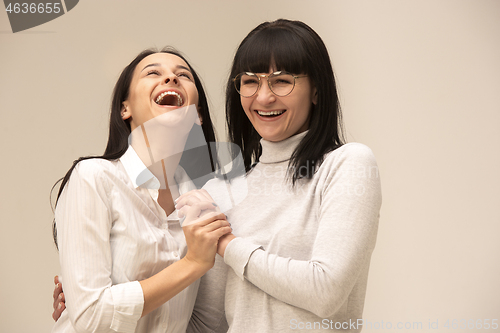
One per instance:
(112, 233)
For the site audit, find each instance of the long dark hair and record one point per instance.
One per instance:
(119, 129)
(295, 47)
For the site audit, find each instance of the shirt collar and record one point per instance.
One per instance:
(140, 176)
(137, 171)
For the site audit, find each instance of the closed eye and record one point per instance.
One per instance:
(249, 81)
(282, 81)
(186, 75)
(153, 72)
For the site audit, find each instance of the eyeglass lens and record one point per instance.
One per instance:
(281, 84)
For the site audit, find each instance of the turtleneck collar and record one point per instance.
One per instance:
(281, 151)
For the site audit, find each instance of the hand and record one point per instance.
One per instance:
(203, 233)
(59, 300)
(223, 242)
(185, 201)
(193, 197)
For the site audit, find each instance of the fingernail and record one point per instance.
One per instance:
(59, 306)
(60, 296)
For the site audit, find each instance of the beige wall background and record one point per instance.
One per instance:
(419, 84)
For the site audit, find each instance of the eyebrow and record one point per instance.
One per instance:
(158, 65)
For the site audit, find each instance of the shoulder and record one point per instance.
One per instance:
(95, 167)
(96, 172)
(351, 159)
(352, 170)
(353, 152)
(90, 177)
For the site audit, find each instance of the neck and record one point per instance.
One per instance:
(160, 141)
(281, 151)
(164, 171)
(166, 201)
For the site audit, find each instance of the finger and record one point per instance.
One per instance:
(222, 231)
(182, 198)
(205, 219)
(205, 194)
(191, 197)
(59, 298)
(57, 290)
(191, 193)
(185, 195)
(189, 200)
(194, 211)
(57, 312)
(217, 224)
(182, 212)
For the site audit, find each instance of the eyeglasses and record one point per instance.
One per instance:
(281, 83)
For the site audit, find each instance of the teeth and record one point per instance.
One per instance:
(171, 93)
(270, 113)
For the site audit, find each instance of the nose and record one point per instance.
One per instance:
(264, 95)
(171, 78)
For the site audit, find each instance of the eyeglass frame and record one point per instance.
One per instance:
(259, 76)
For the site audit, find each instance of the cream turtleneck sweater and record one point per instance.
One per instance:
(301, 256)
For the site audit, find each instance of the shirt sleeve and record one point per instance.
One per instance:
(83, 218)
(208, 313)
(346, 235)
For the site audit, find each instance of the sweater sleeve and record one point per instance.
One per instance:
(208, 313)
(83, 225)
(347, 227)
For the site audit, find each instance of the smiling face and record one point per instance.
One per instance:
(162, 82)
(278, 118)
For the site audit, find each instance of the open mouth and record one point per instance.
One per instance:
(270, 114)
(169, 98)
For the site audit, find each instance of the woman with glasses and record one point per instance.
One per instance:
(306, 228)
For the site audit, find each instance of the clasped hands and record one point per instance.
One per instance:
(201, 213)
(206, 230)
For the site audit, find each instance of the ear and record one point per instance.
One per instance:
(199, 116)
(125, 112)
(315, 96)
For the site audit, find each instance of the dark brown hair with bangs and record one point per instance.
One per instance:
(274, 49)
(295, 47)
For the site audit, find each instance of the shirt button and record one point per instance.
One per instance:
(175, 254)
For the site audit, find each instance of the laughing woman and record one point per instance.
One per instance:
(126, 264)
(306, 228)
(308, 224)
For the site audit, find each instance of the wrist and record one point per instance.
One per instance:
(197, 267)
(223, 243)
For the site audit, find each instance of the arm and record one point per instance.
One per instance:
(84, 224)
(347, 226)
(201, 237)
(208, 313)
